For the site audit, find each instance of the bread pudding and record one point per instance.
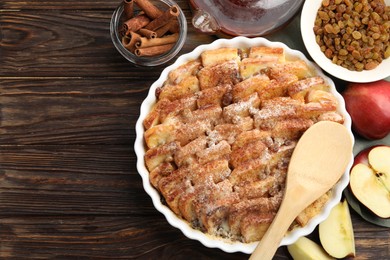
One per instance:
(221, 133)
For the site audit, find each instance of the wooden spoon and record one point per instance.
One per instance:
(317, 163)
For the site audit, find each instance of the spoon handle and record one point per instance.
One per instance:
(275, 233)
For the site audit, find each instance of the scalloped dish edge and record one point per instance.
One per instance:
(139, 147)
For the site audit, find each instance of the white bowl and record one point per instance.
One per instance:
(139, 146)
(308, 16)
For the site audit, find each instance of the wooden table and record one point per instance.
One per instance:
(69, 187)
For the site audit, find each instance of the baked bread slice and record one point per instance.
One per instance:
(221, 133)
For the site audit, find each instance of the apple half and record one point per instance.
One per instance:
(370, 179)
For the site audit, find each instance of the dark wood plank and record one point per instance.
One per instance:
(101, 238)
(70, 111)
(59, 4)
(47, 43)
(69, 187)
(124, 237)
(70, 180)
(68, 43)
(46, 191)
(371, 241)
(64, 4)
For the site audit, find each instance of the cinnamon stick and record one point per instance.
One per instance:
(141, 37)
(145, 42)
(136, 23)
(128, 8)
(172, 26)
(154, 50)
(147, 33)
(130, 40)
(150, 9)
(163, 19)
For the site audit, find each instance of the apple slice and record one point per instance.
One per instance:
(370, 181)
(305, 248)
(336, 232)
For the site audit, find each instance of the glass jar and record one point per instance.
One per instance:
(117, 20)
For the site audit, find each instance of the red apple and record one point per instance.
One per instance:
(370, 179)
(369, 107)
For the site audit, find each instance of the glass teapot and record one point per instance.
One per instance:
(242, 17)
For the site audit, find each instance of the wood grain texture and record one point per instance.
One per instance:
(101, 238)
(65, 4)
(81, 180)
(58, 5)
(70, 111)
(88, 201)
(68, 43)
(69, 188)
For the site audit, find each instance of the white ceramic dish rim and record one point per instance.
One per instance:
(139, 147)
(308, 16)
